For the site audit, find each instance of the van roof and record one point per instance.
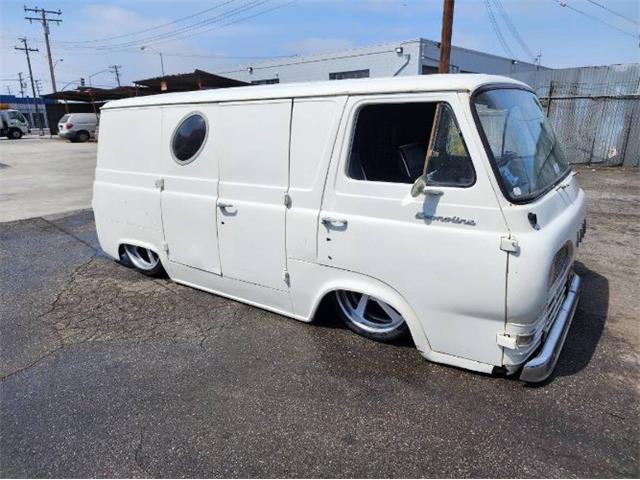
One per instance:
(419, 83)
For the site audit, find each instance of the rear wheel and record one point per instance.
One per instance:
(15, 134)
(144, 260)
(82, 136)
(370, 317)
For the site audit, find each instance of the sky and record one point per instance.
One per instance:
(234, 32)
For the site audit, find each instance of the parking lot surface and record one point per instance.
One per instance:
(43, 175)
(106, 372)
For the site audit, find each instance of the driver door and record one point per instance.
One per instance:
(440, 251)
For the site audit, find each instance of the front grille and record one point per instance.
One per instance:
(559, 264)
(554, 303)
(558, 285)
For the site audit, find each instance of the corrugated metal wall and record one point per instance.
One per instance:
(595, 111)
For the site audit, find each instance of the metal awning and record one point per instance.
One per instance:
(184, 82)
(98, 95)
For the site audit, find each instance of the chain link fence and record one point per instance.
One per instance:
(595, 112)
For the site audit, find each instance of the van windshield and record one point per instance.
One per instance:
(522, 143)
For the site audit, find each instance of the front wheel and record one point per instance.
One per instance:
(15, 134)
(370, 317)
(144, 260)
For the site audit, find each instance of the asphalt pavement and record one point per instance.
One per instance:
(108, 373)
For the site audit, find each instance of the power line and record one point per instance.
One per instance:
(233, 22)
(635, 22)
(565, 4)
(203, 23)
(192, 30)
(496, 29)
(178, 20)
(512, 28)
(44, 20)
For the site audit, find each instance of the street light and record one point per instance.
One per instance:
(97, 73)
(144, 47)
(56, 62)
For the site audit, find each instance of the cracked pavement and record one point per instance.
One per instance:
(108, 373)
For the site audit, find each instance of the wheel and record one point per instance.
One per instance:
(144, 260)
(370, 317)
(82, 136)
(15, 134)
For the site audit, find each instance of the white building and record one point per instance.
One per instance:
(410, 57)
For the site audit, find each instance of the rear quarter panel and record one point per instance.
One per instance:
(126, 202)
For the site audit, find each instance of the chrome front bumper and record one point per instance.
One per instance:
(540, 367)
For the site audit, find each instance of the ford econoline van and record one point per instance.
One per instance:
(437, 206)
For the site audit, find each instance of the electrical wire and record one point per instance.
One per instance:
(157, 27)
(186, 29)
(185, 32)
(565, 4)
(512, 28)
(635, 22)
(496, 29)
(233, 22)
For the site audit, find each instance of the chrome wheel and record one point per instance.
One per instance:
(142, 258)
(368, 313)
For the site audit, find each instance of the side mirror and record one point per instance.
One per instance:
(419, 186)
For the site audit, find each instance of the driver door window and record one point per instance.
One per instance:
(391, 142)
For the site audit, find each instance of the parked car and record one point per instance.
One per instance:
(78, 127)
(441, 206)
(13, 124)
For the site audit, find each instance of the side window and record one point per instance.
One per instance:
(391, 141)
(188, 138)
(13, 115)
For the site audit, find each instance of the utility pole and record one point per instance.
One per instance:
(38, 86)
(114, 69)
(445, 37)
(26, 49)
(44, 20)
(23, 85)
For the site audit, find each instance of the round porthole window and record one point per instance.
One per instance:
(188, 139)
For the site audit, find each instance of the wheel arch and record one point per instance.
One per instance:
(362, 284)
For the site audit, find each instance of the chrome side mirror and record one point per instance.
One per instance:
(419, 186)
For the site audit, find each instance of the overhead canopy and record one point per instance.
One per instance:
(98, 95)
(185, 82)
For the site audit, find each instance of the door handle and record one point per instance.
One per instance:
(333, 221)
(223, 205)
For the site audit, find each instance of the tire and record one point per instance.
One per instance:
(15, 134)
(82, 136)
(370, 317)
(144, 260)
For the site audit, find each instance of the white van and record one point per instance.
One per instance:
(78, 127)
(438, 205)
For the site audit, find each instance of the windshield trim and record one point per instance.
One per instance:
(487, 147)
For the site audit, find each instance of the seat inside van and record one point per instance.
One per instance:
(390, 145)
